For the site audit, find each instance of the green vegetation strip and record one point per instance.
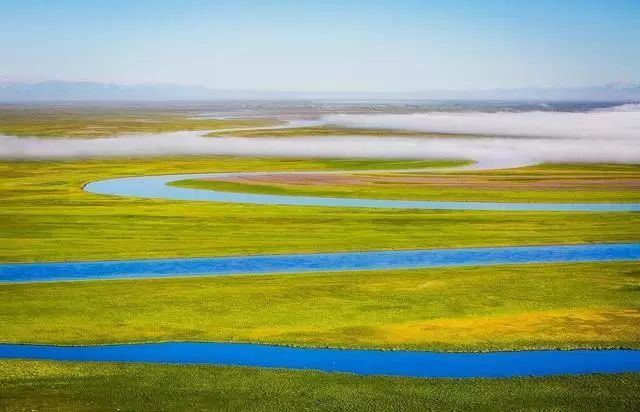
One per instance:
(329, 131)
(65, 386)
(595, 305)
(47, 121)
(46, 216)
(546, 183)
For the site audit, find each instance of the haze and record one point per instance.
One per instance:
(603, 136)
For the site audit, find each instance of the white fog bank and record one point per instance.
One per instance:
(603, 136)
(620, 122)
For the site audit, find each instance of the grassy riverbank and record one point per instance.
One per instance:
(545, 183)
(511, 307)
(38, 385)
(45, 215)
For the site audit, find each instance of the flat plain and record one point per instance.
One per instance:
(47, 216)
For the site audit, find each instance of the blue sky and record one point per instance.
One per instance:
(324, 45)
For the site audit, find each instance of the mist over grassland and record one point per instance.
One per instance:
(602, 135)
(619, 122)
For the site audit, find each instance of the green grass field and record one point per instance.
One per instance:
(328, 131)
(62, 386)
(47, 121)
(46, 216)
(544, 183)
(512, 307)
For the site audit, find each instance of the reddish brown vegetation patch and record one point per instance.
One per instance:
(520, 182)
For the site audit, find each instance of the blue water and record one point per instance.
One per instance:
(156, 187)
(398, 259)
(363, 362)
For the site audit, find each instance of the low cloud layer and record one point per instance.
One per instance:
(594, 137)
(620, 122)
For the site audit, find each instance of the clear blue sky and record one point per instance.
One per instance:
(324, 45)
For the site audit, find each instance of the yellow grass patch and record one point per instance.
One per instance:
(580, 324)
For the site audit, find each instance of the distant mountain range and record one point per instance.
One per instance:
(94, 91)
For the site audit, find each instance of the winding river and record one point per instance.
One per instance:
(157, 187)
(315, 262)
(419, 364)
(365, 362)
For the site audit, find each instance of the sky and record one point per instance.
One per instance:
(346, 45)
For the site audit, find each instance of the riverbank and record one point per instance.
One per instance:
(44, 385)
